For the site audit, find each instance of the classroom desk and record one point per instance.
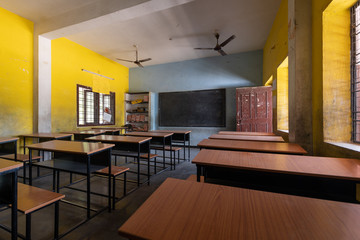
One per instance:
(320, 177)
(42, 137)
(247, 138)
(8, 145)
(252, 146)
(120, 130)
(181, 209)
(81, 135)
(8, 190)
(159, 138)
(76, 157)
(182, 136)
(128, 145)
(247, 133)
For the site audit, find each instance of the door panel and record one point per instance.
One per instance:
(254, 109)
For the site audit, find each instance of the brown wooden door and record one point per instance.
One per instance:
(254, 109)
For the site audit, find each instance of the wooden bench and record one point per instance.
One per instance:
(24, 158)
(115, 171)
(193, 178)
(31, 199)
(171, 150)
(145, 156)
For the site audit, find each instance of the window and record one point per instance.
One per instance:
(355, 72)
(94, 108)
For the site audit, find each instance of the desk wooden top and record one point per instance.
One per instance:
(149, 134)
(338, 168)
(87, 132)
(118, 139)
(84, 148)
(248, 138)
(247, 133)
(110, 128)
(8, 139)
(47, 135)
(7, 165)
(181, 209)
(173, 131)
(252, 146)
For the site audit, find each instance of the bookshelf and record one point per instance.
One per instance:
(137, 110)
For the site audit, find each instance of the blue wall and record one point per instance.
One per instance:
(230, 72)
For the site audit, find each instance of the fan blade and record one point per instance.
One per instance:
(227, 40)
(124, 60)
(222, 52)
(139, 64)
(204, 48)
(145, 60)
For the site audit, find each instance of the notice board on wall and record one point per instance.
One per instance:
(204, 108)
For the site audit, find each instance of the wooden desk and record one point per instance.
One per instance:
(120, 130)
(181, 209)
(182, 136)
(81, 135)
(320, 177)
(8, 190)
(247, 133)
(247, 138)
(252, 146)
(129, 145)
(8, 145)
(76, 157)
(159, 138)
(43, 137)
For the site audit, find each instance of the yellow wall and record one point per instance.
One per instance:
(68, 58)
(283, 96)
(16, 74)
(331, 76)
(274, 53)
(276, 46)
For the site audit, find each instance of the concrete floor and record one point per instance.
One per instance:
(104, 225)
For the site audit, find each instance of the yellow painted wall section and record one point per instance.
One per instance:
(318, 6)
(283, 96)
(276, 46)
(331, 71)
(16, 74)
(336, 75)
(68, 58)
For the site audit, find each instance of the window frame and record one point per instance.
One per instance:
(355, 73)
(96, 108)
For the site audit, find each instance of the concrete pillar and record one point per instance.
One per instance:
(42, 84)
(300, 73)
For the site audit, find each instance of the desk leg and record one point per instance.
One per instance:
(14, 217)
(198, 168)
(138, 166)
(15, 150)
(109, 185)
(171, 155)
(88, 187)
(189, 148)
(24, 145)
(164, 153)
(184, 147)
(148, 163)
(30, 167)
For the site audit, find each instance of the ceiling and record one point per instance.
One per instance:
(164, 30)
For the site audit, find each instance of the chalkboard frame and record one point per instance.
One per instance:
(217, 109)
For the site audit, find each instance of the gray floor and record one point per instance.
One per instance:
(104, 225)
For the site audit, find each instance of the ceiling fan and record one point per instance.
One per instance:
(137, 61)
(219, 46)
